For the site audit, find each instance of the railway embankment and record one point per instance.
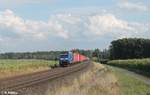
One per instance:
(96, 80)
(82, 79)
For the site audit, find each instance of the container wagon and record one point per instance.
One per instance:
(68, 58)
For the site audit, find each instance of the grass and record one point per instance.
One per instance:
(15, 67)
(129, 85)
(138, 65)
(91, 82)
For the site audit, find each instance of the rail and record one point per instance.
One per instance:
(18, 82)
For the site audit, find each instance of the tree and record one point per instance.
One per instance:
(130, 48)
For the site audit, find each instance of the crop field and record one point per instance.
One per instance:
(138, 65)
(15, 67)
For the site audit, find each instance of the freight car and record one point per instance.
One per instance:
(68, 58)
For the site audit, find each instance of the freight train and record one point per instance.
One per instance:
(68, 58)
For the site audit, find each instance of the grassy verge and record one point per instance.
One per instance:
(94, 81)
(16, 67)
(129, 85)
(141, 66)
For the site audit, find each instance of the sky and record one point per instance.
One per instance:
(44, 25)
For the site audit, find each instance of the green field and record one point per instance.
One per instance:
(16, 67)
(138, 65)
(22, 64)
(129, 85)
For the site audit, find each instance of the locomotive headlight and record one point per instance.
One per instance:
(61, 58)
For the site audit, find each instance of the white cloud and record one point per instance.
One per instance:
(132, 6)
(108, 25)
(67, 26)
(29, 28)
(68, 18)
(102, 24)
(64, 29)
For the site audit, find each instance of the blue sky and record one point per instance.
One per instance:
(41, 25)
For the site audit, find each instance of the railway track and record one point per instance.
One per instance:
(18, 82)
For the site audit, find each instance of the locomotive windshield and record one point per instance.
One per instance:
(64, 56)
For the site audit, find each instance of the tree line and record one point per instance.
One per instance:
(126, 48)
(47, 55)
(129, 48)
(51, 55)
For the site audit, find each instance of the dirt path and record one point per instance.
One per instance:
(144, 79)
